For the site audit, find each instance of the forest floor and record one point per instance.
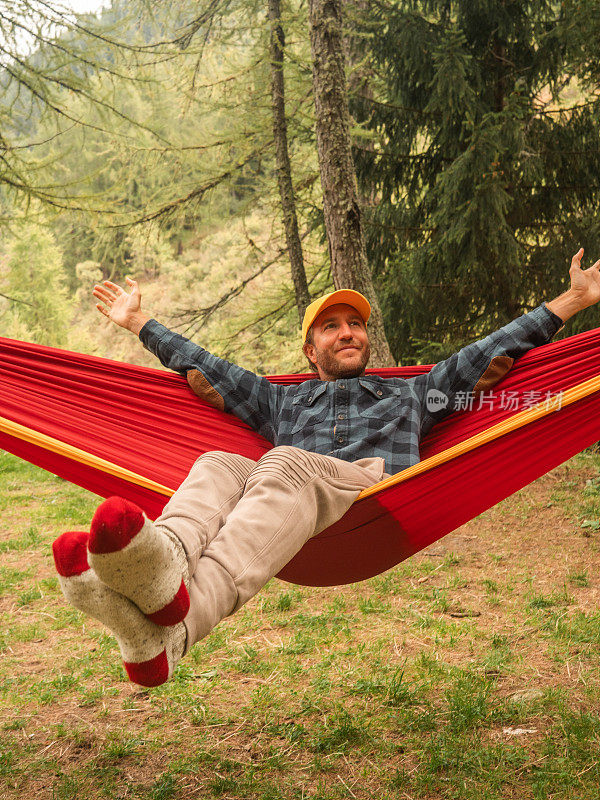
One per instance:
(472, 670)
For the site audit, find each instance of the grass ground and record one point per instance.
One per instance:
(470, 671)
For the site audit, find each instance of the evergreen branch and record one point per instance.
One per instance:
(30, 145)
(548, 111)
(268, 316)
(499, 57)
(239, 104)
(43, 196)
(194, 318)
(229, 78)
(193, 147)
(444, 326)
(62, 13)
(402, 156)
(207, 16)
(570, 152)
(196, 194)
(57, 109)
(53, 43)
(14, 300)
(387, 227)
(279, 311)
(525, 226)
(83, 93)
(201, 316)
(51, 200)
(394, 106)
(555, 93)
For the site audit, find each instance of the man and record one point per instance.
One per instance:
(234, 523)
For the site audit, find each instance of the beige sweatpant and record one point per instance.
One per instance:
(241, 521)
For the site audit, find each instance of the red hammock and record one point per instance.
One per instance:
(150, 422)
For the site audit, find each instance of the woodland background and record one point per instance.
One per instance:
(143, 141)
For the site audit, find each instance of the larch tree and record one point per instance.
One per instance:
(484, 159)
(282, 160)
(60, 71)
(342, 213)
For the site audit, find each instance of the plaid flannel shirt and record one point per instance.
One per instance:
(352, 418)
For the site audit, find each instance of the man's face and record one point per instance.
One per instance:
(340, 344)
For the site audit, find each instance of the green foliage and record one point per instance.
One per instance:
(476, 146)
(62, 71)
(35, 281)
(177, 159)
(483, 158)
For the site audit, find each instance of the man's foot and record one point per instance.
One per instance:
(150, 653)
(129, 554)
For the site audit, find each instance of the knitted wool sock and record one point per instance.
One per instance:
(129, 554)
(150, 653)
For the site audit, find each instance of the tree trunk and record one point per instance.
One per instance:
(282, 160)
(359, 78)
(343, 221)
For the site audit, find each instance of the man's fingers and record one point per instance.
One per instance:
(114, 286)
(576, 260)
(97, 294)
(103, 294)
(102, 309)
(135, 289)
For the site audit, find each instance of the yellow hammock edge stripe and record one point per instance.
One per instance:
(76, 454)
(512, 423)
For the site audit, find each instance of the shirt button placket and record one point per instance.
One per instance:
(341, 421)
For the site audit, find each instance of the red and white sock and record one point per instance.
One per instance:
(129, 554)
(150, 653)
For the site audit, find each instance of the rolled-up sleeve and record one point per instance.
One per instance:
(479, 366)
(224, 385)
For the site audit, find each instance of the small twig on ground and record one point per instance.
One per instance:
(346, 785)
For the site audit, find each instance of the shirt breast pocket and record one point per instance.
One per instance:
(308, 410)
(381, 402)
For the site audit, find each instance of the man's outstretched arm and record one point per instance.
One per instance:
(479, 366)
(224, 385)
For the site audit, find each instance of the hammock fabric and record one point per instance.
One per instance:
(150, 423)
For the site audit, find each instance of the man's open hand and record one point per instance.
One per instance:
(584, 291)
(585, 283)
(121, 307)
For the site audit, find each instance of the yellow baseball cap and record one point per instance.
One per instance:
(347, 296)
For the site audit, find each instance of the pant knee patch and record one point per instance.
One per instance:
(292, 466)
(233, 464)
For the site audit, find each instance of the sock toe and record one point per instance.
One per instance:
(115, 523)
(132, 556)
(70, 553)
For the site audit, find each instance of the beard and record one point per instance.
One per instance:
(336, 369)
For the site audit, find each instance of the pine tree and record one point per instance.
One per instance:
(484, 161)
